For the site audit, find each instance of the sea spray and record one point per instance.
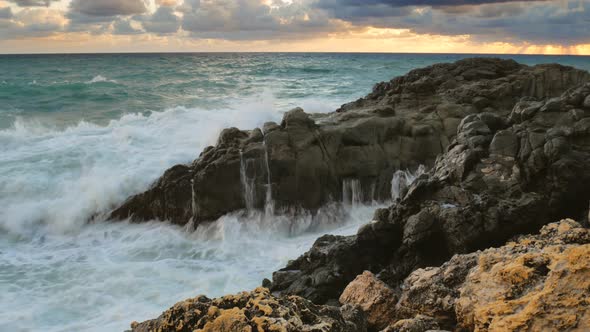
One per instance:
(402, 179)
(55, 179)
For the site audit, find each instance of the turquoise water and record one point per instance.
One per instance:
(80, 133)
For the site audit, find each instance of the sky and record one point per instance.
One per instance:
(432, 26)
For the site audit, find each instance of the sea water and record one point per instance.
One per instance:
(80, 133)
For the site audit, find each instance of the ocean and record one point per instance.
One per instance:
(80, 133)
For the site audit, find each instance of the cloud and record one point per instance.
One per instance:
(5, 13)
(557, 22)
(163, 21)
(33, 3)
(124, 27)
(407, 3)
(32, 22)
(108, 7)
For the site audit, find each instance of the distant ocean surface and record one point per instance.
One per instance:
(80, 133)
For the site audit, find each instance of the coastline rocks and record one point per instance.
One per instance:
(373, 297)
(497, 179)
(254, 311)
(307, 161)
(539, 283)
(534, 282)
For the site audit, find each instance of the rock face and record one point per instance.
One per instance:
(307, 160)
(500, 177)
(255, 311)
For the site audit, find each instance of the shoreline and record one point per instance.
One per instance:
(508, 153)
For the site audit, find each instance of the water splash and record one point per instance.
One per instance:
(402, 179)
(269, 205)
(248, 185)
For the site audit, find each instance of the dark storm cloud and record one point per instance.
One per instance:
(558, 22)
(108, 7)
(408, 3)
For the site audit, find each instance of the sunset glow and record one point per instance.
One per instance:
(528, 27)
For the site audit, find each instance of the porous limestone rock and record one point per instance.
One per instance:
(256, 311)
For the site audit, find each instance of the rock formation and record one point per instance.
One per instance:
(501, 176)
(252, 312)
(534, 283)
(508, 150)
(307, 160)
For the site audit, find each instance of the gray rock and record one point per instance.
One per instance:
(495, 181)
(310, 157)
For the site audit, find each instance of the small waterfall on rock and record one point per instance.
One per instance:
(247, 184)
(190, 226)
(403, 179)
(269, 206)
(352, 193)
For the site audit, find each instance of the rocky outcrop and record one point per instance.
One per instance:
(254, 311)
(500, 177)
(307, 160)
(535, 283)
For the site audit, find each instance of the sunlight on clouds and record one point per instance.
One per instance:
(292, 25)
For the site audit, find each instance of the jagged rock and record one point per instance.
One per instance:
(403, 123)
(497, 179)
(254, 311)
(374, 298)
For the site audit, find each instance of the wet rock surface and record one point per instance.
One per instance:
(501, 176)
(305, 161)
(251, 312)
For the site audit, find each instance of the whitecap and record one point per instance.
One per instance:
(100, 79)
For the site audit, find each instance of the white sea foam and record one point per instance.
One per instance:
(59, 178)
(109, 274)
(100, 79)
(60, 274)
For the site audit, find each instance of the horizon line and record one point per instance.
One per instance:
(290, 52)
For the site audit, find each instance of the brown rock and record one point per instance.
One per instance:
(536, 284)
(252, 312)
(374, 298)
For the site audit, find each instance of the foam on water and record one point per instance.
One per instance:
(100, 79)
(59, 178)
(58, 273)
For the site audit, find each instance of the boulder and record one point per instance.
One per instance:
(373, 297)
